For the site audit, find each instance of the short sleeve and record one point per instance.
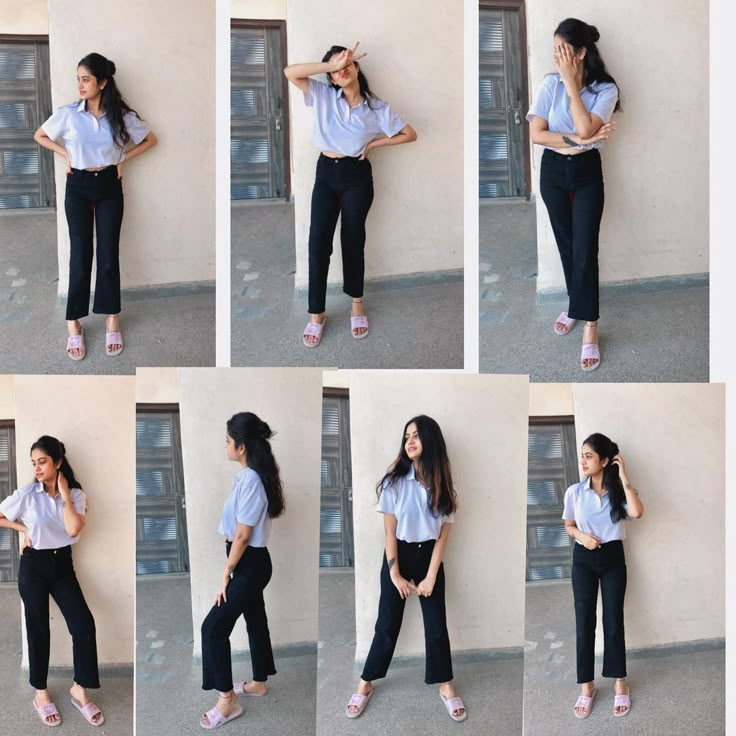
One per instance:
(450, 519)
(55, 126)
(137, 128)
(389, 121)
(11, 506)
(251, 500)
(568, 513)
(605, 101)
(542, 104)
(387, 499)
(317, 92)
(79, 499)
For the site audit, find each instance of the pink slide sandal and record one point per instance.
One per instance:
(358, 701)
(585, 702)
(239, 689)
(568, 323)
(215, 719)
(622, 701)
(44, 711)
(89, 712)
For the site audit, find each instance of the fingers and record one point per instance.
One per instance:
(357, 43)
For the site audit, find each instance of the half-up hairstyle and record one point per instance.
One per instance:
(580, 35)
(607, 449)
(434, 467)
(365, 90)
(112, 101)
(254, 434)
(56, 451)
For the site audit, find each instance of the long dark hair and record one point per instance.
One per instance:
(112, 101)
(254, 434)
(365, 90)
(56, 451)
(580, 35)
(434, 466)
(605, 448)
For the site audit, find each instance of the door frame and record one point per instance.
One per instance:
(520, 6)
(280, 25)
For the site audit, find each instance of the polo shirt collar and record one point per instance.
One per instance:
(38, 487)
(412, 474)
(82, 107)
(341, 93)
(587, 486)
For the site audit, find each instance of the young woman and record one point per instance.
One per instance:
(571, 118)
(595, 513)
(256, 498)
(418, 503)
(50, 514)
(95, 136)
(349, 121)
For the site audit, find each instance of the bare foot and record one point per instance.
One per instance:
(74, 328)
(225, 704)
(587, 689)
(590, 335)
(364, 688)
(80, 695)
(113, 325)
(448, 690)
(43, 697)
(255, 688)
(620, 688)
(358, 310)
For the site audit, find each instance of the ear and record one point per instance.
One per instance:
(582, 53)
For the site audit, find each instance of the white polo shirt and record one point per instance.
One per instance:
(406, 499)
(42, 515)
(552, 103)
(247, 504)
(88, 139)
(348, 130)
(592, 513)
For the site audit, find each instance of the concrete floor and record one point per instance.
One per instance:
(674, 694)
(169, 695)
(158, 329)
(491, 688)
(114, 698)
(415, 323)
(644, 337)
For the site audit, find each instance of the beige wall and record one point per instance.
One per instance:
(291, 402)
(655, 168)
(164, 53)
(27, 17)
(484, 421)
(258, 9)
(156, 386)
(7, 397)
(672, 440)
(415, 62)
(550, 399)
(94, 416)
(336, 379)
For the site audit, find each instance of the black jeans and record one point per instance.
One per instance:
(94, 200)
(244, 597)
(413, 561)
(343, 187)
(44, 572)
(572, 190)
(606, 565)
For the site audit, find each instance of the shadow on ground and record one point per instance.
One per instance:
(114, 698)
(402, 703)
(413, 323)
(161, 331)
(644, 337)
(169, 694)
(675, 694)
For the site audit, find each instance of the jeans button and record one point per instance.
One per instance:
(420, 546)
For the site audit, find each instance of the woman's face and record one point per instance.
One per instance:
(87, 84)
(44, 467)
(345, 76)
(559, 41)
(590, 461)
(412, 443)
(234, 452)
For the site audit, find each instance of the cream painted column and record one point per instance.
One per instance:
(290, 401)
(655, 168)
(415, 62)
(484, 421)
(7, 397)
(164, 53)
(672, 439)
(94, 416)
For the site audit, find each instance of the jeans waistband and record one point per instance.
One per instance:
(33, 552)
(612, 546)
(343, 160)
(106, 170)
(416, 545)
(593, 153)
